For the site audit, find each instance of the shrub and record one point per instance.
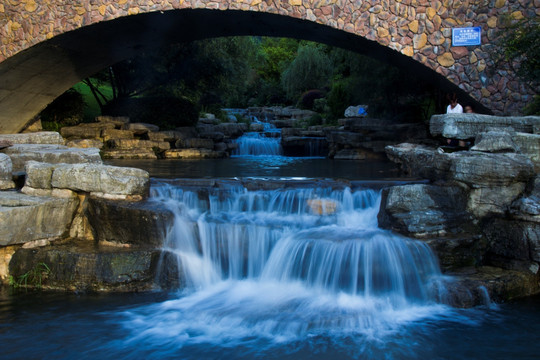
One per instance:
(311, 69)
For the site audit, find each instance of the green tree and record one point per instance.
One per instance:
(311, 69)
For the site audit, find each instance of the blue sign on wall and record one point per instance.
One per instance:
(466, 36)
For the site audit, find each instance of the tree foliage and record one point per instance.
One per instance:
(244, 71)
(311, 69)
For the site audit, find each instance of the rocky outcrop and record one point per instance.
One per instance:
(367, 136)
(494, 180)
(423, 210)
(97, 179)
(27, 218)
(129, 223)
(55, 154)
(487, 205)
(468, 126)
(81, 266)
(119, 139)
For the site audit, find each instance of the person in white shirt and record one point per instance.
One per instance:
(454, 107)
(452, 144)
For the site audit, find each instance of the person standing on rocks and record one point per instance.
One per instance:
(453, 107)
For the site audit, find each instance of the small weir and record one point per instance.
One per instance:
(274, 266)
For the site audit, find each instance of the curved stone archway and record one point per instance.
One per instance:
(46, 48)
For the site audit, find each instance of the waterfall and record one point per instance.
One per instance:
(277, 266)
(266, 143)
(288, 263)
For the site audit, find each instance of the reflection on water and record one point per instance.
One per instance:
(265, 166)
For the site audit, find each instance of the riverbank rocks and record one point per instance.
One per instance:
(99, 180)
(42, 137)
(27, 218)
(367, 136)
(423, 210)
(494, 180)
(468, 126)
(144, 223)
(488, 204)
(81, 266)
(56, 154)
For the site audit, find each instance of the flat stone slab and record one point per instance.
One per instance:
(467, 126)
(29, 218)
(42, 137)
(54, 154)
(97, 179)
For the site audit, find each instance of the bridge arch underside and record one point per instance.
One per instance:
(34, 77)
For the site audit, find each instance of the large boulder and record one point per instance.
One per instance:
(96, 179)
(478, 169)
(495, 141)
(420, 160)
(423, 210)
(29, 218)
(44, 137)
(467, 126)
(55, 154)
(6, 170)
(82, 266)
(495, 180)
(101, 179)
(137, 223)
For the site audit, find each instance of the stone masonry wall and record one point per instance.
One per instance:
(420, 29)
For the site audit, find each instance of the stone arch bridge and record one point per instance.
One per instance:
(47, 46)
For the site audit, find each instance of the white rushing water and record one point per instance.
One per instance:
(283, 265)
(266, 143)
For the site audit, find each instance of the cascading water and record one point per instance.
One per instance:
(279, 266)
(266, 143)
